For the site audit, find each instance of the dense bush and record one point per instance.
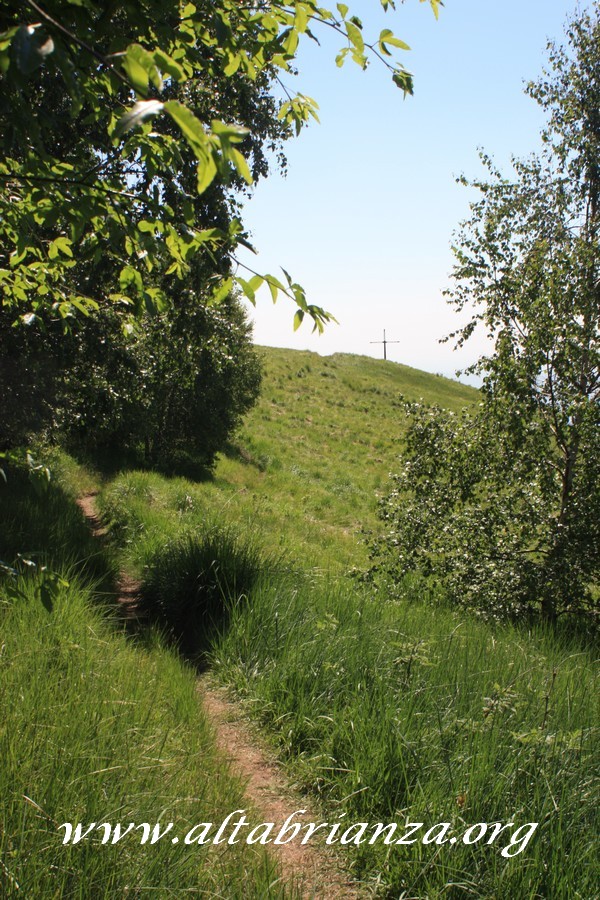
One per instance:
(473, 510)
(179, 385)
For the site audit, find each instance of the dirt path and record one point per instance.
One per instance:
(313, 868)
(127, 588)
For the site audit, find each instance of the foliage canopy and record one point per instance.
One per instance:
(127, 132)
(105, 108)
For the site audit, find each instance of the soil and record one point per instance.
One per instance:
(127, 589)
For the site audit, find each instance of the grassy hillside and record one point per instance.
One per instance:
(406, 713)
(389, 712)
(318, 447)
(97, 728)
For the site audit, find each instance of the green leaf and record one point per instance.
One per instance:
(207, 170)
(222, 291)
(139, 66)
(235, 60)
(290, 41)
(403, 80)
(233, 133)
(247, 289)
(169, 66)
(147, 227)
(83, 308)
(298, 318)
(388, 37)
(58, 246)
(241, 165)
(191, 127)
(435, 5)
(301, 18)
(130, 277)
(355, 37)
(274, 286)
(340, 58)
(256, 282)
(155, 301)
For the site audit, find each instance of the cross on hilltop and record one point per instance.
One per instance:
(385, 343)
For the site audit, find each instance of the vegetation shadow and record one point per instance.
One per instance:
(42, 524)
(240, 454)
(192, 584)
(110, 461)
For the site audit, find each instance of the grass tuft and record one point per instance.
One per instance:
(191, 584)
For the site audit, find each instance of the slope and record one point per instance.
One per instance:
(312, 456)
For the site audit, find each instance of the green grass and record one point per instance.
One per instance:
(394, 713)
(320, 445)
(48, 528)
(190, 585)
(97, 728)
(305, 469)
(388, 711)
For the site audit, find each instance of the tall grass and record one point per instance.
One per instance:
(387, 711)
(97, 729)
(49, 529)
(94, 729)
(190, 585)
(398, 712)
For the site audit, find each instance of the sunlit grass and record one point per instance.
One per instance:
(388, 711)
(95, 729)
(397, 712)
(305, 469)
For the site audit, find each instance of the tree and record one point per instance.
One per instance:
(176, 388)
(99, 383)
(501, 506)
(83, 177)
(126, 131)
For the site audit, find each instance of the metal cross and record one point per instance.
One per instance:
(385, 343)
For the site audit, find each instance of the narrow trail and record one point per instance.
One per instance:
(316, 871)
(126, 588)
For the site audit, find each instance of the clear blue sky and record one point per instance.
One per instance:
(364, 218)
